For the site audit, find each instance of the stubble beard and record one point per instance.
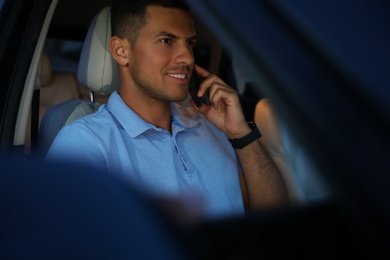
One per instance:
(150, 89)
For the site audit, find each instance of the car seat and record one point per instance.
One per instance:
(56, 87)
(96, 71)
(303, 182)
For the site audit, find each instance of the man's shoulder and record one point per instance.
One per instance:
(90, 125)
(85, 134)
(98, 118)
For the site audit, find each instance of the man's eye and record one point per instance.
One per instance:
(166, 40)
(192, 43)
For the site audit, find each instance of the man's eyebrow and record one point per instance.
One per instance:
(167, 34)
(193, 38)
(170, 35)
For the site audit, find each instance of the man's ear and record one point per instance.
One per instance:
(118, 48)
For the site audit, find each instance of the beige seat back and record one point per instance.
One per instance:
(303, 181)
(56, 87)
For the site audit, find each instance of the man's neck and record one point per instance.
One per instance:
(157, 113)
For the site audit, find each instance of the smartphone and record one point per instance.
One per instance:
(194, 88)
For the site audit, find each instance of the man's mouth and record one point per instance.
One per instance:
(178, 76)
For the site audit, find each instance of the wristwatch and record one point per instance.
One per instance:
(239, 143)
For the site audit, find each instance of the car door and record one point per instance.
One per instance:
(23, 26)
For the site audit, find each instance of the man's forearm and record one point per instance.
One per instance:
(264, 184)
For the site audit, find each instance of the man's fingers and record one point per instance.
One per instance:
(219, 92)
(201, 71)
(210, 81)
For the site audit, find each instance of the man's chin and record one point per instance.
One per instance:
(183, 100)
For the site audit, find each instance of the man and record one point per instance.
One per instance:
(166, 147)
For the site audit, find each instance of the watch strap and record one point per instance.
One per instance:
(239, 143)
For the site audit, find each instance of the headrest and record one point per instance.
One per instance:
(46, 72)
(97, 69)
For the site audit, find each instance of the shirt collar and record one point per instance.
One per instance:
(183, 115)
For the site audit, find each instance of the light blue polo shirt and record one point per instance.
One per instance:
(197, 157)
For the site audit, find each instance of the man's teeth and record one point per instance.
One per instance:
(179, 76)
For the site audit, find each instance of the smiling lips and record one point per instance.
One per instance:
(178, 76)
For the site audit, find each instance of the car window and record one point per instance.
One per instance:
(64, 54)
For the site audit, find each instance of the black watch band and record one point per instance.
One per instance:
(240, 143)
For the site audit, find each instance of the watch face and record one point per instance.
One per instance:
(252, 124)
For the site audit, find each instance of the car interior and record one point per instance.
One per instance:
(67, 92)
(97, 75)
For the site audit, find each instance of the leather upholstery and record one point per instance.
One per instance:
(301, 177)
(97, 72)
(56, 87)
(97, 69)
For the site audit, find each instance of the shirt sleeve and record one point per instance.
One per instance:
(76, 144)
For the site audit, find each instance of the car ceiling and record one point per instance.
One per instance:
(64, 23)
(71, 20)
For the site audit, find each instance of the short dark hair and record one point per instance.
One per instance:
(129, 16)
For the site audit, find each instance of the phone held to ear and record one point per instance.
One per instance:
(194, 88)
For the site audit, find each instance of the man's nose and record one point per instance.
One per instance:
(185, 55)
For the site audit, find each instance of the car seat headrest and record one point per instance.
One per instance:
(97, 69)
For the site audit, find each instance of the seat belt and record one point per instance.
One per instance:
(35, 120)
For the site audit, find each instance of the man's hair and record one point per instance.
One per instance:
(129, 16)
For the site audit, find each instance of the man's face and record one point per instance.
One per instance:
(162, 55)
